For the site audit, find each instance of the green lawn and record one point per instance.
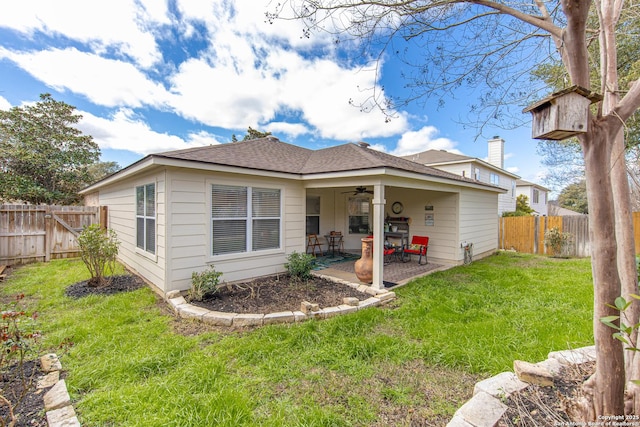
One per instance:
(415, 360)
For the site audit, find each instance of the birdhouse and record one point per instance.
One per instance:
(563, 114)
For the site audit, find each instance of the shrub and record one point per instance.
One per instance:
(557, 241)
(19, 342)
(98, 251)
(203, 283)
(300, 265)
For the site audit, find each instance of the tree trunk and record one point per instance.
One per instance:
(609, 375)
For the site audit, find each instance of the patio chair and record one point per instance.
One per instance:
(387, 252)
(314, 243)
(335, 241)
(418, 246)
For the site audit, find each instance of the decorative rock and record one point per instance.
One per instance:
(501, 385)
(362, 288)
(372, 291)
(175, 302)
(458, 421)
(551, 365)
(57, 397)
(172, 294)
(248, 320)
(65, 416)
(280, 317)
(386, 296)
(330, 312)
(533, 374)
(189, 311)
(483, 410)
(344, 309)
(48, 380)
(369, 302)
(306, 307)
(350, 301)
(574, 357)
(299, 316)
(219, 318)
(50, 362)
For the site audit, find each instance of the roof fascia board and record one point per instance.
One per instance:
(475, 160)
(403, 174)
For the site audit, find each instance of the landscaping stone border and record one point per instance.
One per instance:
(57, 402)
(486, 407)
(307, 311)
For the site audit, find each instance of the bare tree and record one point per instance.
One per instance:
(464, 42)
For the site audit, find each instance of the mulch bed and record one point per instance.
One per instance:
(116, 284)
(547, 406)
(277, 293)
(29, 406)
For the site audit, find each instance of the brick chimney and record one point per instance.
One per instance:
(496, 152)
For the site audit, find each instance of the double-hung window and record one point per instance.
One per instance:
(146, 218)
(495, 179)
(244, 219)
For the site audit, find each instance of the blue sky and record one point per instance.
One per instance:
(152, 76)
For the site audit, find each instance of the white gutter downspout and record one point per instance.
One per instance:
(378, 235)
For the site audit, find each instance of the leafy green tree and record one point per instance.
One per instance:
(251, 134)
(574, 197)
(43, 157)
(522, 207)
(100, 170)
(497, 43)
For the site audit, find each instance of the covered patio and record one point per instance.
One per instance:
(395, 273)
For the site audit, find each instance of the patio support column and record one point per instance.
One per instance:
(378, 235)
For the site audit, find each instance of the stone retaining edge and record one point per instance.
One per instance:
(57, 402)
(188, 311)
(485, 408)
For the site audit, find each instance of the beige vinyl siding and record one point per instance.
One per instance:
(190, 234)
(478, 221)
(120, 198)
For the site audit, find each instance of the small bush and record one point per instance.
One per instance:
(557, 241)
(300, 265)
(204, 283)
(99, 249)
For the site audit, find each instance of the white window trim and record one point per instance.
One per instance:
(249, 253)
(140, 251)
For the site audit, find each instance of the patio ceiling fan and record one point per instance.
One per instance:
(359, 190)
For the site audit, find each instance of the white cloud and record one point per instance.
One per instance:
(104, 81)
(513, 169)
(103, 25)
(247, 72)
(123, 131)
(4, 104)
(421, 140)
(291, 129)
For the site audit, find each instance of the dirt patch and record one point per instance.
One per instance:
(29, 404)
(278, 293)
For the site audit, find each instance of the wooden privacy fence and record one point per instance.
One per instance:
(31, 233)
(526, 233)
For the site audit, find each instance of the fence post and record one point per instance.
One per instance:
(104, 217)
(48, 233)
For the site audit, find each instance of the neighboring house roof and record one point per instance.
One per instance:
(523, 183)
(273, 155)
(442, 157)
(555, 210)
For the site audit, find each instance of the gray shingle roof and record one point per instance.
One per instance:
(437, 156)
(271, 154)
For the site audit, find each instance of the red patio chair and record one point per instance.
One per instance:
(418, 246)
(387, 252)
